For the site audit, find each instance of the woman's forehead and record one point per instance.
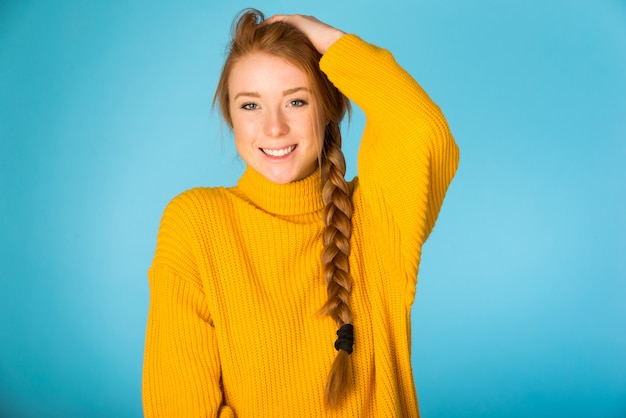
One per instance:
(266, 71)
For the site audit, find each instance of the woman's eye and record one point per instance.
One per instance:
(297, 103)
(249, 106)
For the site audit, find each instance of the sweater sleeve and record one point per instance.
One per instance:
(181, 373)
(407, 157)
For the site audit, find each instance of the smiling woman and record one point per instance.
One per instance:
(244, 311)
(275, 117)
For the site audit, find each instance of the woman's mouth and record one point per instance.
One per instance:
(278, 152)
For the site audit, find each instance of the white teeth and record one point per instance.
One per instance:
(278, 152)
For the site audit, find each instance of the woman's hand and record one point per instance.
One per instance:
(321, 35)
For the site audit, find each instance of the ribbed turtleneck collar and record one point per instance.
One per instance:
(296, 198)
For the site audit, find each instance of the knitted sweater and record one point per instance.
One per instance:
(236, 284)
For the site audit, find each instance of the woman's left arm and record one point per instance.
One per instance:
(407, 156)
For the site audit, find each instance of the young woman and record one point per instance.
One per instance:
(290, 293)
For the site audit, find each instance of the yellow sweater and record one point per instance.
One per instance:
(236, 283)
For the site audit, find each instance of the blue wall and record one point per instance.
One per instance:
(105, 116)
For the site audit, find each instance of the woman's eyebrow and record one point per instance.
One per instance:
(257, 94)
(247, 94)
(294, 90)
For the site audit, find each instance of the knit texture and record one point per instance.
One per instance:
(236, 284)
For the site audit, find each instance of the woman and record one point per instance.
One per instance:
(290, 293)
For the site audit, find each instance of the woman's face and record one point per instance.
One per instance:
(276, 119)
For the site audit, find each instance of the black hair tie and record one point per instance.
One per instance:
(345, 338)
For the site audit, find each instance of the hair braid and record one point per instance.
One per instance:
(336, 252)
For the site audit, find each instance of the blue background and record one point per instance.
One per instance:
(105, 115)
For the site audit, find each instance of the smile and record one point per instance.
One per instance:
(278, 152)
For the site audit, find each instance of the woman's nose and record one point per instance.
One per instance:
(276, 124)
